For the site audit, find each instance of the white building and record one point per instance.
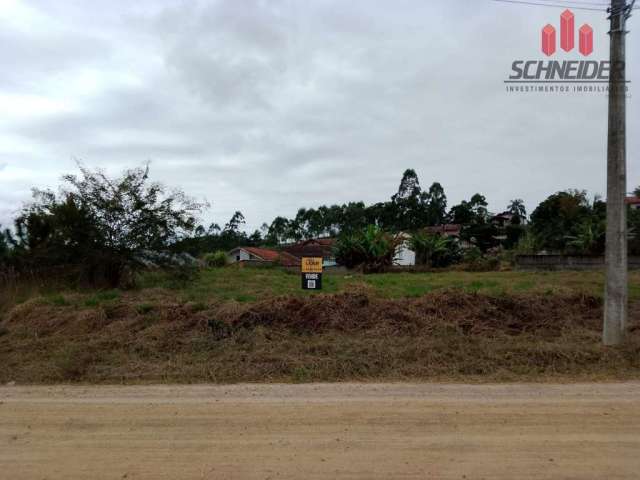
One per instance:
(404, 255)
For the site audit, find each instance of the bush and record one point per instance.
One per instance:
(434, 250)
(372, 248)
(105, 226)
(472, 255)
(216, 260)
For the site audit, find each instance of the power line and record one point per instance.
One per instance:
(557, 5)
(576, 2)
(565, 4)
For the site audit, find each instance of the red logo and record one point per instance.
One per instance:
(567, 36)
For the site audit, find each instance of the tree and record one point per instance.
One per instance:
(561, 217)
(277, 232)
(479, 205)
(234, 223)
(428, 247)
(371, 248)
(409, 203)
(409, 186)
(469, 212)
(436, 205)
(103, 224)
(589, 238)
(461, 214)
(517, 209)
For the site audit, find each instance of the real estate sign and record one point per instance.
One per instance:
(311, 273)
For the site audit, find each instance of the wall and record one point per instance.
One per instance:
(244, 255)
(404, 256)
(566, 262)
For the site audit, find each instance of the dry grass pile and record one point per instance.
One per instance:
(448, 335)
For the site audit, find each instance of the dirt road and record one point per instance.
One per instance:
(321, 431)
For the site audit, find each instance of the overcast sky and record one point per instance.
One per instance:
(268, 106)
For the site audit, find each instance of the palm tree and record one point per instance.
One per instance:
(517, 209)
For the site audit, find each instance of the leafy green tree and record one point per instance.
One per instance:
(409, 203)
(589, 238)
(479, 205)
(469, 212)
(103, 224)
(427, 247)
(436, 213)
(409, 186)
(216, 260)
(514, 232)
(234, 223)
(371, 248)
(461, 214)
(277, 232)
(561, 218)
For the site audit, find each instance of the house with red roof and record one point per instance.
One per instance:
(255, 254)
(290, 255)
(633, 202)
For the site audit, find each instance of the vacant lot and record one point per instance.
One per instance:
(251, 284)
(354, 431)
(234, 325)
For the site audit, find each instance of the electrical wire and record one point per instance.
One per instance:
(577, 2)
(557, 5)
(576, 5)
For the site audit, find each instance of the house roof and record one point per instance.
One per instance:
(632, 200)
(451, 228)
(262, 253)
(288, 260)
(313, 247)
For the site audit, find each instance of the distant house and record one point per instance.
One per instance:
(287, 260)
(259, 256)
(633, 202)
(446, 230)
(252, 254)
(502, 219)
(406, 257)
(315, 247)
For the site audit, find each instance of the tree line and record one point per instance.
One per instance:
(107, 225)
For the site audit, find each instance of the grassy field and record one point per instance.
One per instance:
(257, 325)
(251, 284)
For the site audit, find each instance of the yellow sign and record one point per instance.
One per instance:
(311, 264)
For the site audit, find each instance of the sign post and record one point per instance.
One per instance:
(311, 273)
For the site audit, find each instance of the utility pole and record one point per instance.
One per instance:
(615, 293)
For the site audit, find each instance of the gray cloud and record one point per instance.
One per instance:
(267, 106)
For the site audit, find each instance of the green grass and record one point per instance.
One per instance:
(144, 308)
(251, 284)
(102, 297)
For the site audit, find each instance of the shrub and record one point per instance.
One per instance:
(434, 250)
(472, 255)
(371, 248)
(105, 226)
(216, 260)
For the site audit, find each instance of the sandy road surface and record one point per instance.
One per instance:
(321, 431)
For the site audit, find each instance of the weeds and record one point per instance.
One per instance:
(352, 336)
(144, 308)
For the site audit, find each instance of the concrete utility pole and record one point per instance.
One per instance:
(615, 294)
